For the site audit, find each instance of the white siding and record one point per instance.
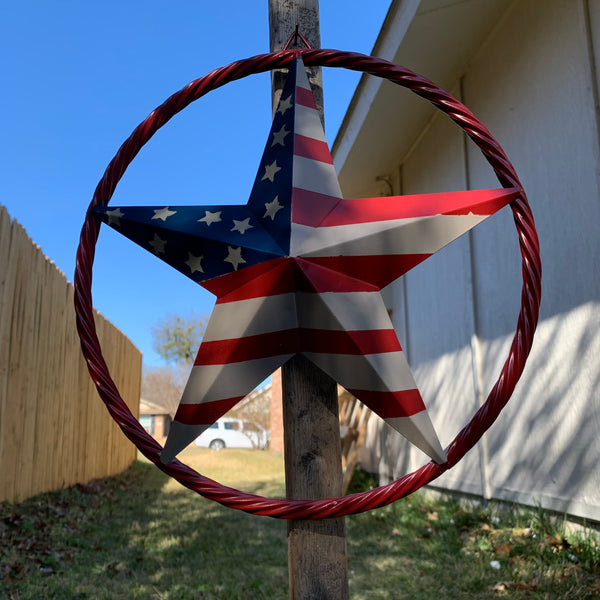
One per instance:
(539, 103)
(533, 83)
(440, 322)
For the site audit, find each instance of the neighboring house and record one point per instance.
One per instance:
(528, 69)
(155, 418)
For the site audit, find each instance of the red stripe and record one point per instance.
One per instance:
(362, 273)
(376, 341)
(323, 278)
(291, 341)
(368, 210)
(268, 271)
(311, 148)
(488, 207)
(310, 208)
(315, 274)
(390, 405)
(305, 97)
(206, 413)
(221, 352)
(286, 277)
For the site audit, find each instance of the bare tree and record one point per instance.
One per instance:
(177, 339)
(163, 386)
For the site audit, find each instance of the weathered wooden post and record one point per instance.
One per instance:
(313, 467)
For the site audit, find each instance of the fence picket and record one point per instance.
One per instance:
(54, 430)
(8, 273)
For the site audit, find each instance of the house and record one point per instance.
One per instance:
(528, 69)
(155, 418)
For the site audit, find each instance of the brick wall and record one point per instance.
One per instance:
(276, 413)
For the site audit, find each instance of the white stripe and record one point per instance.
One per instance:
(315, 176)
(208, 383)
(301, 76)
(306, 240)
(252, 317)
(351, 311)
(337, 311)
(308, 123)
(384, 372)
(422, 235)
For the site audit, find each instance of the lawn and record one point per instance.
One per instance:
(141, 535)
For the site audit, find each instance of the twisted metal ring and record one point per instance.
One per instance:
(479, 423)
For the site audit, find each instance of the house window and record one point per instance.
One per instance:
(147, 422)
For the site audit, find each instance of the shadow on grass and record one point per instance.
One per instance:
(133, 536)
(422, 548)
(140, 535)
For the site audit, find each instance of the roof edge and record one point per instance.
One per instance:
(395, 25)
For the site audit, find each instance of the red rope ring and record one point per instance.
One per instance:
(481, 421)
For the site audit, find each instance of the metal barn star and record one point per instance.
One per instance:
(299, 269)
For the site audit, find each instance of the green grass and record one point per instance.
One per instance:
(427, 548)
(141, 535)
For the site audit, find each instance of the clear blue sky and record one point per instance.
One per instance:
(78, 77)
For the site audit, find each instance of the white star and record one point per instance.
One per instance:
(210, 217)
(272, 208)
(234, 257)
(284, 105)
(241, 226)
(114, 216)
(163, 213)
(194, 263)
(279, 136)
(158, 244)
(270, 171)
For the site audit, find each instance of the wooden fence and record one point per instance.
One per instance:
(54, 429)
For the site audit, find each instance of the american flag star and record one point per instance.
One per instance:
(303, 275)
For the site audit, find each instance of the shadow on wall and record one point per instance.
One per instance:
(544, 447)
(546, 442)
